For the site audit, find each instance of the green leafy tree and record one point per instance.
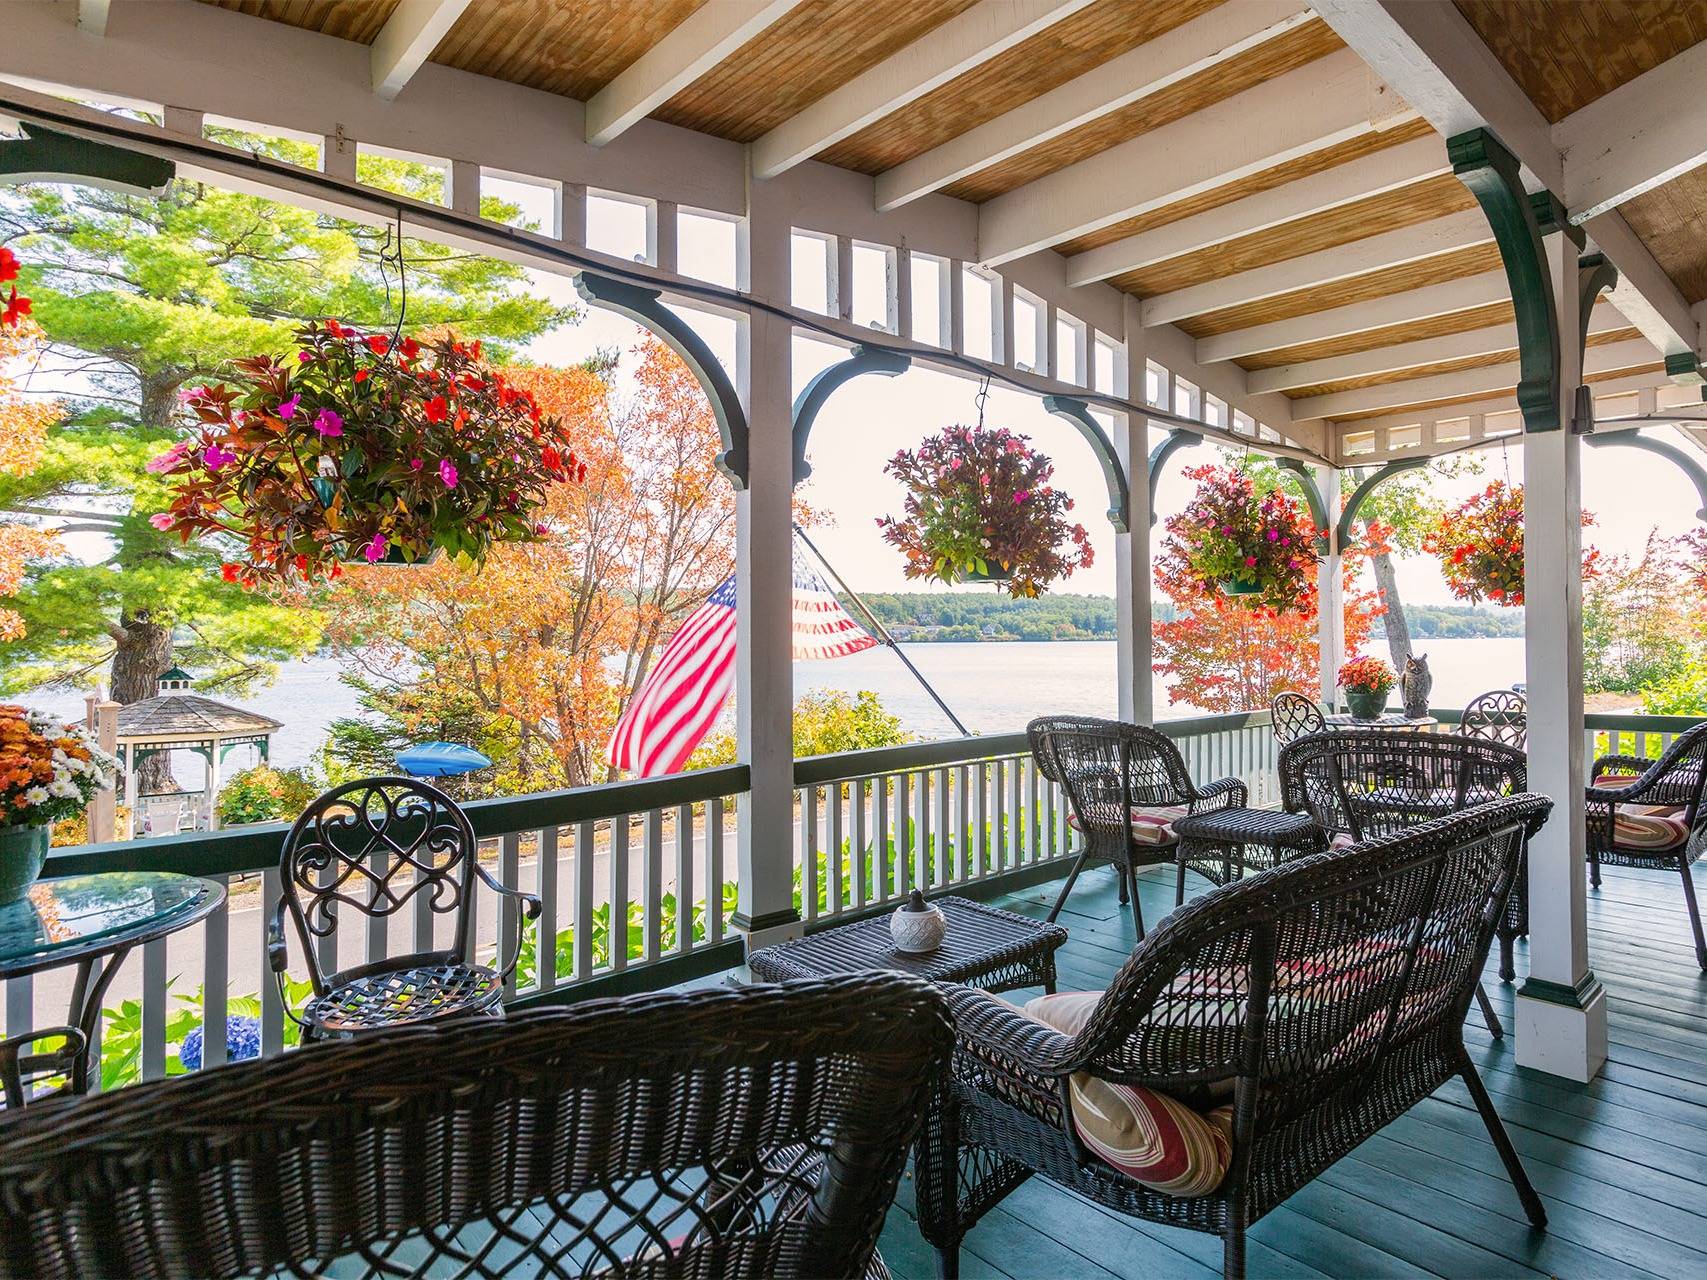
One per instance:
(139, 297)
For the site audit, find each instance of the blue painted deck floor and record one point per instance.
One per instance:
(1621, 1162)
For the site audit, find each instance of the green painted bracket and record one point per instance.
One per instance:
(1595, 275)
(1685, 461)
(644, 307)
(1360, 495)
(1683, 368)
(1492, 174)
(810, 402)
(1078, 413)
(42, 155)
(1550, 217)
(1312, 497)
(1179, 438)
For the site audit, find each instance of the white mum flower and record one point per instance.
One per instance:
(36, 795)
(64, 788)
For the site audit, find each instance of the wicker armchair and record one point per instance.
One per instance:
(1625, 798)
(1500, 715)
(1292, 715)
(758, 1132)
(1329, 993)
(381, 846)
(1112, 772)
(1362, 783)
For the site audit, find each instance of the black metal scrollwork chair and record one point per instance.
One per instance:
(1293, 715)
(1362, 783)
(32, 1069)
(1500, 715)
(753, 1132)
(383, 847)
(1321, 999)
(1649, 813)
(1126, 785)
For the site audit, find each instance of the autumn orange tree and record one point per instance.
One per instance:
(1224, 654)
(23, 430)
(539, 648)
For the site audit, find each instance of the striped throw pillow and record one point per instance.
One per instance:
(1151, 824)
(1151, 1138)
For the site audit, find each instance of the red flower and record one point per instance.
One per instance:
(436, 409)
(361, 375)
(336, 330)
(16, 309)
(379, 344)
(410, 348)
(228, 572)
(8, 265)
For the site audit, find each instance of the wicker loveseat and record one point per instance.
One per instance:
(1320, 1000)
(1649, 813)
(758, 1132)
(1126, 784)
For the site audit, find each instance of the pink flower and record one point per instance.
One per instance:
(415, 464)
(214, 457)
(329, 423)
(166, 461)
(161, 520)
(287, 408)
(302, 357)
(447, 473)
(374, 551)
(1250, 562)
(1020, 495)
(1274, 535)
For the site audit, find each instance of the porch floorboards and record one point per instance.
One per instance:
(1621, 1163)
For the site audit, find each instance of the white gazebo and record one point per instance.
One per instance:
(177, 720)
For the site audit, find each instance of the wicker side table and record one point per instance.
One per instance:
(983, 946)
(1222, 844)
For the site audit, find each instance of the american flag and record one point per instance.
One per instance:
(684, 692)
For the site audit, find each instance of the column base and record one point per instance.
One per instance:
(1562, 1029)
(769, 929)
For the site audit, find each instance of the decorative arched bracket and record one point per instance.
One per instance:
(1595, 275)
(1683, 368)
(42, 155)
(1354, 504)
(644, 307)
(1179, 438)
(1685, 461)
(1312, 498)
(1491, 173)
(810, 402)
(1114, 475)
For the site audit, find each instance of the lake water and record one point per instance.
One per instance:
(993, 687)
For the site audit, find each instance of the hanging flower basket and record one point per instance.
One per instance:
(1259, 549)
(1479, 544)
(356, 450)
(980, 508)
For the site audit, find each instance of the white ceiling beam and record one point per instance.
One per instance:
(1432, 57)
(1443, 386)
(705, 38)
(1358, 317)
(1193, 49)
(1385, 249)
(1644, 133)
(1329, 101)
(1505, 403)
(92, 16)
(1343, 184)
(408, 39)
(965, 41)
(1486, 341)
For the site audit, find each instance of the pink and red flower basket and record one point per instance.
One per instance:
(1258, 549)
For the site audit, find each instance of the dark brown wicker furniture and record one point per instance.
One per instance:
(382, 846)
(1500, 715)
(758, 1132)
(1224, 844)
(1109, 768)
(1674, 779)
(1292, 715)
(1374, 953)
(983, 946)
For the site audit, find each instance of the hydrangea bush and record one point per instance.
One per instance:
(48, 771)
(979, 506)
(1259, 548)
(358, 447)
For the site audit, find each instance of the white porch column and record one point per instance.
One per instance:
(213, 786)
(1561, 1008)
(1132, 548)
(764, 578)
(1330, 588)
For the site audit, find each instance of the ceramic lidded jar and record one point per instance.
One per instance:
(917, 926)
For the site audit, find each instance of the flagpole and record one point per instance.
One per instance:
(882, 631)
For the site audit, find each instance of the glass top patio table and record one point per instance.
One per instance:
(73, 918)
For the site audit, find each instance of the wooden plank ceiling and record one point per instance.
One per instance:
(1564, 55)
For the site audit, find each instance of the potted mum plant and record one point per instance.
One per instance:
(1367, 682)
(48, 772)
(1479, 544)
(361, 448)
(1260, 549)
(980, 508)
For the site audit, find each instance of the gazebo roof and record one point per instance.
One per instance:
(176, 715)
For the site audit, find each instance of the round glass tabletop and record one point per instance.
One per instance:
(72, 917)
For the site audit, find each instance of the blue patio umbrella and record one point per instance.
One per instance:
(439, 760)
